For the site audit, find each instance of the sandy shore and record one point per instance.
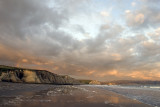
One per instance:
(39, 95)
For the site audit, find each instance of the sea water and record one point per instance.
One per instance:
(146, 94)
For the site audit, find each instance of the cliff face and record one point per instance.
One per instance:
(13, 74)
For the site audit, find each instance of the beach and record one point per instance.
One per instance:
(45, 95)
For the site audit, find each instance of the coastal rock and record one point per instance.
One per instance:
(13, 74)
(95, 82)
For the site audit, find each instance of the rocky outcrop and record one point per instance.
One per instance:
(12, 74)
(95, 82)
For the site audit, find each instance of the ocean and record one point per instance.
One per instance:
(146, 94)
(47, 95)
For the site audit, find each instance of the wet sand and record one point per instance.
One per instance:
(40, 95)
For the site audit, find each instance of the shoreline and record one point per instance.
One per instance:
(127, 97)
(119, 98)
(25, 95)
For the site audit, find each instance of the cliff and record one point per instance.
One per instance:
(22, 75)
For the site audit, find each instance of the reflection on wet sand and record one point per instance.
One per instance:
(67, 96)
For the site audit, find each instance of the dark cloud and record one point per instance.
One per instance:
(23, 17)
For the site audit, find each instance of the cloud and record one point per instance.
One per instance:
(98, 43)
(105, 13)
(155, 34)
(145, 15)
(139, 18)
(134, 19)
(145, 75)
(133, 4)
(45, 35)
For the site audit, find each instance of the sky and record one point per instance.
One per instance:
(87, 39)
